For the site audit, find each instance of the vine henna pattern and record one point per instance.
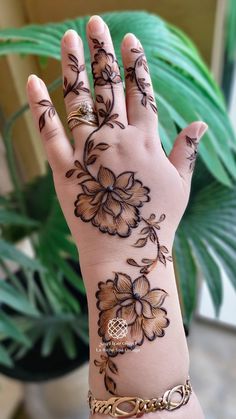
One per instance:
(192, 143)
(141, 83)
(149, 233)
(105, 70)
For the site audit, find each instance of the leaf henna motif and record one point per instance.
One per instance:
(77, 86)
(106, 366)
(192, 143)
(49, 111)
(141, 83)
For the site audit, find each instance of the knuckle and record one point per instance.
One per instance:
(51, 134)
(73, 103)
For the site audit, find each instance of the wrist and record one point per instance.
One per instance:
(112, 254)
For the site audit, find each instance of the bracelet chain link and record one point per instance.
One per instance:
(139, 406)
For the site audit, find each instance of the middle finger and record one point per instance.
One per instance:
(110, 98)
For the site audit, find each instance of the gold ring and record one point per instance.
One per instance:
(83, 114)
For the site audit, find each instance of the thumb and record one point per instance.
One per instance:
(184, 151)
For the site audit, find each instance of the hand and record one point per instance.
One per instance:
(117, 171)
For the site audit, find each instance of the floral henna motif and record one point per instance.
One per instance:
(111, 203)
(105, 67)
(49, 111)
(77, 86)
(149, 233)
(107, 366)
(193, 143)
(135, 302)
(141, 83)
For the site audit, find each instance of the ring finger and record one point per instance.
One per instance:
(76, 90)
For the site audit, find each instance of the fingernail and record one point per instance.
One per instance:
(96, 25)
(202, 129)
(34, 82)
(71, 39)
(129, 40)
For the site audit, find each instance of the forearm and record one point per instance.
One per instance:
(154, 366)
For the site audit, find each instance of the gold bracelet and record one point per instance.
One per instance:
(140, 406)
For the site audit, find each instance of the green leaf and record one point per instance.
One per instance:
(5, 359)
(37, 207)
(49, 339)
(13, 218)
(209, 268)
(10, 252)
(68, 342)
(13, 299)
(207, 233)
(80, 327)
(9, 330)
(186, 274)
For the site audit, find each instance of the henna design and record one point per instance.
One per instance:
(149, 232)
(106, 366)
(193, 143)
(109, 202)
(49, 111)
(77, 86)
(141, 82)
